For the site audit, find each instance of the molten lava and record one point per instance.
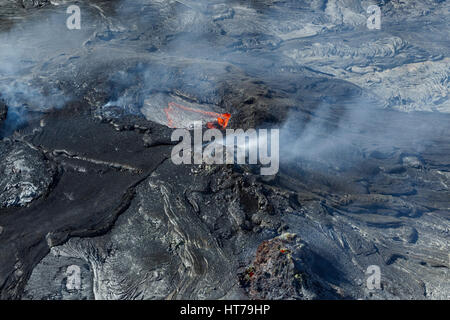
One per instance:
(222, 119)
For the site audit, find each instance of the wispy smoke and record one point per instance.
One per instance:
(346, 134)
(29, 72)
(186, 41)
(338, 134)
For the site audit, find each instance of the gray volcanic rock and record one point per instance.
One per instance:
(88, 188)
(179, 237)
(57, 272)
(3, 112)
(33, 3)
(26, 175)
(282, 269)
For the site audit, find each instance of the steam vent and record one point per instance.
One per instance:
(118, 181)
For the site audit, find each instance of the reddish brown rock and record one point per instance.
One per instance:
(280, 270)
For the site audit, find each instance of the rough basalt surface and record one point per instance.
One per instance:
(26, 175)
(3, 111)
(284, 268)
(87, 183)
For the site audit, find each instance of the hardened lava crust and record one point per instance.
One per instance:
(88, 188)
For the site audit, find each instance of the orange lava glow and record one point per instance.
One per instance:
(221, 118)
